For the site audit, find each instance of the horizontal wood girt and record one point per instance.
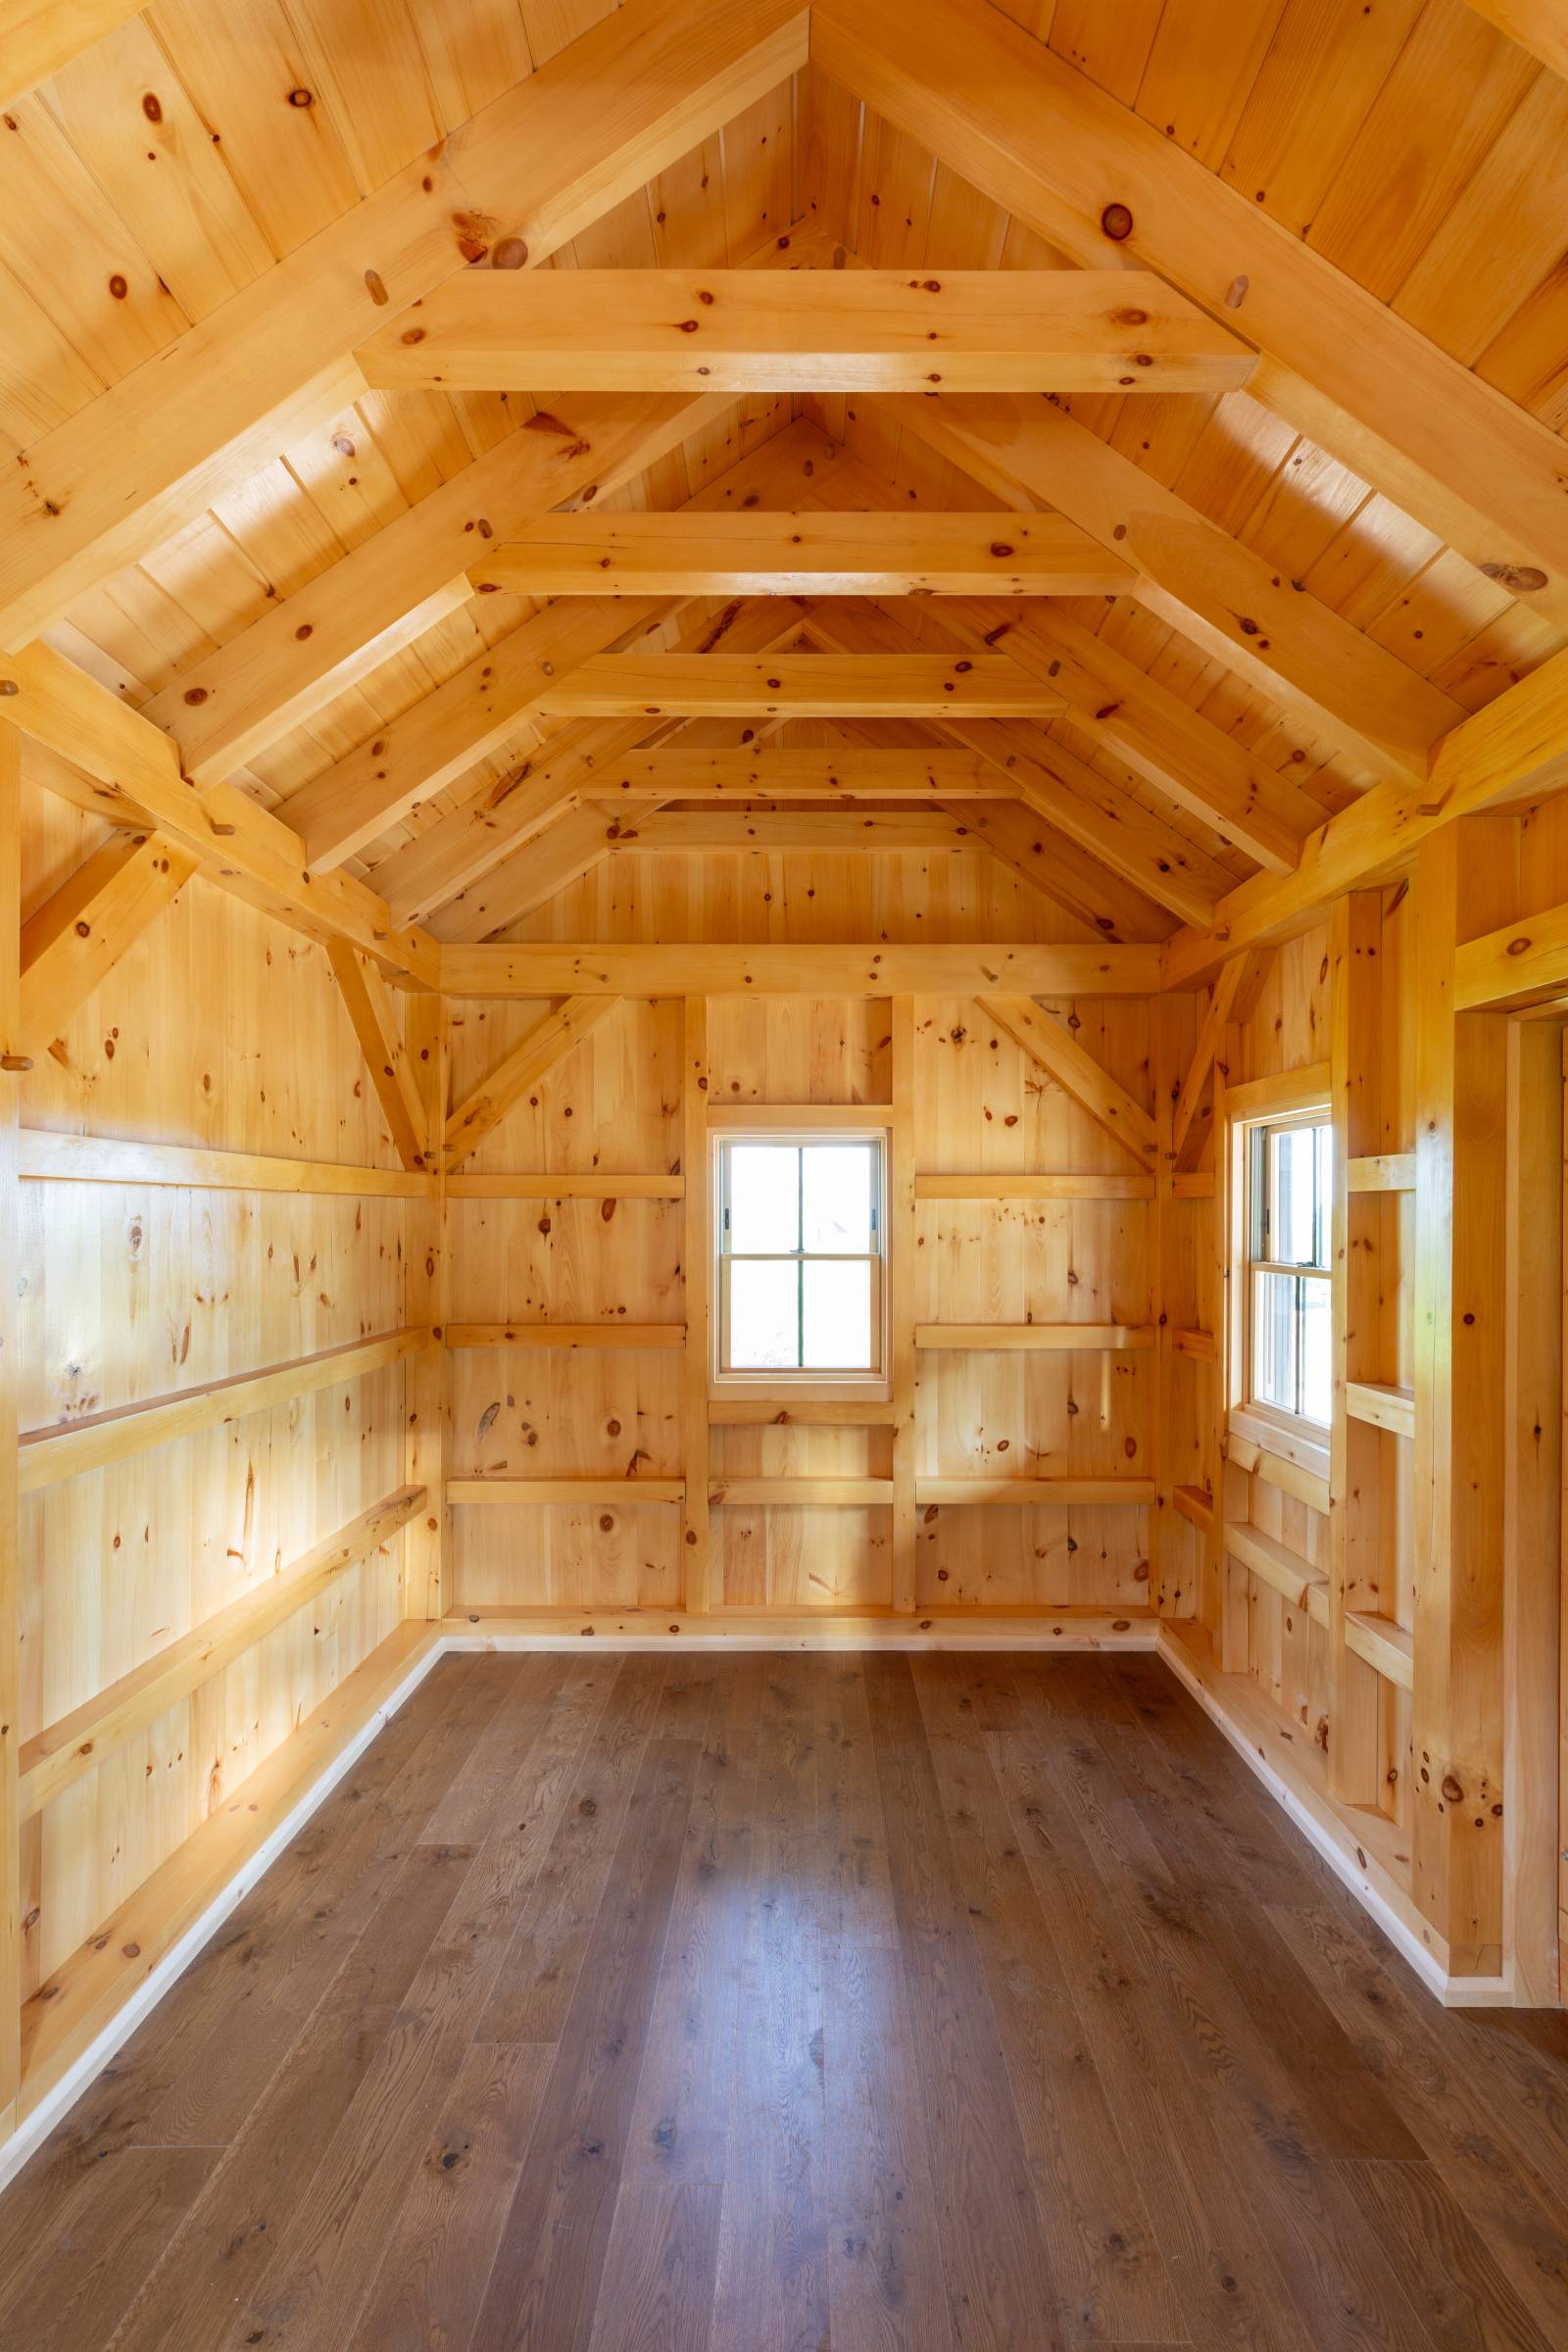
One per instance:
(98, 1439)
(799, 686)
(675, 774)
(61, 1755)
(551, 155)
(684, 330)
(1523, 963)
(815, 554)
(562, 968)
(1067, 158)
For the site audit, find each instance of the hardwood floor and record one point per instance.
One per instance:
(775, 2003)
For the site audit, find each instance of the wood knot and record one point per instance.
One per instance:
(1117, 222)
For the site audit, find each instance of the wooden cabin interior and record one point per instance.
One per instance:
(784, 885)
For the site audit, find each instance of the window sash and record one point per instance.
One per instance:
(873, 1258)
(1283, 1300)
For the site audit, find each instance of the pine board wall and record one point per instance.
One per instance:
(220, 1030)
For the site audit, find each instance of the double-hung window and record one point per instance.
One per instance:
(1290, 1182)
(800, 1229)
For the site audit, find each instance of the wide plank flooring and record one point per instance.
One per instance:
(788, 2003)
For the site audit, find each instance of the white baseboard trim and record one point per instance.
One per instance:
(1455, 1992)
(31, 2134)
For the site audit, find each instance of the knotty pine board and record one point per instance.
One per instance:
(219, 1029)
(979, 1105)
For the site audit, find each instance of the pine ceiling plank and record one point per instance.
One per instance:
(1339, 366)
(1451, 93)
(1206, 584)
(724, 685)
(563, 147)
(1324, 67)
(1054, 864)
(744, 330)
(1502, 238)
(1205, 58)
(289, 161)
(123, 107)
(1539, 25)
(1095, 883)
(231, 704)
(353, 802)
(818, 553)
(39, 36)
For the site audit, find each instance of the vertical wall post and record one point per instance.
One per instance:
(1356, 1065)
(900, 1248)
(696, 1258)
(1461, 1350)
(1157, 1240)
(10, 1564)
(1532, 1516)
(1227, 1579)
(426, 1259)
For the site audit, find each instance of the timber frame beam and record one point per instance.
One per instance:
(1065, 157)
(1512, 749)
(550, 156)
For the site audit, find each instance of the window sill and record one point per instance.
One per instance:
(1298, 1444)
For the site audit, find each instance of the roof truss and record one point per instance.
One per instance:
(992, 667)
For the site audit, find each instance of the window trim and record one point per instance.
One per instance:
(1293, 1437)
(806, 1381)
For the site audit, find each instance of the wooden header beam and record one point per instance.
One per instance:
(680, 330)
(818, 553)
(554, 969)
(654, 686)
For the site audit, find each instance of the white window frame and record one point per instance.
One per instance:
(795, 1378)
